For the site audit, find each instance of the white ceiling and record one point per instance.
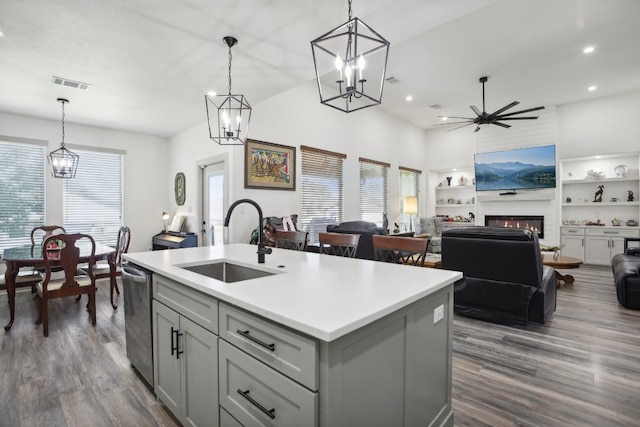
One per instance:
(150, 62)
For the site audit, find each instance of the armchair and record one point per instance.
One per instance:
(626, 273)
(504, 278)
(433, 227)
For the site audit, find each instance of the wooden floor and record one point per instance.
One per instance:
(582, 369)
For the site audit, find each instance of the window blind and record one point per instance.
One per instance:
(93, 200)
(409, 184)
(321, 190)
(22, 191)
(374, 190)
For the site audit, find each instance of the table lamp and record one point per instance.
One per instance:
(165, 218)
(410, 207)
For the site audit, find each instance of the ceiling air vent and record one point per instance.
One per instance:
(391, 80)
(435, 106)
(70, 83)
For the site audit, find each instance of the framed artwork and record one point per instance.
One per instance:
(179, 188)
(269, 166)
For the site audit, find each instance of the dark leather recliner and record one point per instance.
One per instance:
(504, 278)
(365, 229)
(626, 272)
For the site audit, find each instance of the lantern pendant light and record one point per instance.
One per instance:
(63, 162)
(228, 116)
(350, 63)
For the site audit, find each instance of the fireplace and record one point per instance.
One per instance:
(529, 222)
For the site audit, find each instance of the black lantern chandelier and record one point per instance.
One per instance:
(63, 162)
(230, 114)
(350, 63)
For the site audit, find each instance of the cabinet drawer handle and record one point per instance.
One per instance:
(611, 232)
(178, 351)
(270, 347)
(175, 344)
(268, 412)
(572, 231)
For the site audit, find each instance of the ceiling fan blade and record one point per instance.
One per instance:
(452, 123)
(506, 107)
(501, 124)
(517, 118)
(460, 127)
(523, 111)
(456, 117)
(475, 110)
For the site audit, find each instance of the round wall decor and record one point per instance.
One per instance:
(179, 188)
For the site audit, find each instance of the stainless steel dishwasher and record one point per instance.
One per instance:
(136, 282)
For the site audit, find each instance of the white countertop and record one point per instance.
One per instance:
(321, 295)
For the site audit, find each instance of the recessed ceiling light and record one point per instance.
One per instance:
(597, 157)
(1, 34)
(444, 118)
(211, 93)
(588, 49)
(409, 98)
(592, 88)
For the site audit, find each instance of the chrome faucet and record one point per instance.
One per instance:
(262, 250)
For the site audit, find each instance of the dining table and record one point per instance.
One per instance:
(31, 256)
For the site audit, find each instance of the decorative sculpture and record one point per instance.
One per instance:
(598, 196)
(449, 180)
(630, 197)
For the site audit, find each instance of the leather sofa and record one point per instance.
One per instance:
(504, 278)
(626, 272)
(365, 229)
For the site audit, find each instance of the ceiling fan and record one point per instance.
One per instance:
(483, 118)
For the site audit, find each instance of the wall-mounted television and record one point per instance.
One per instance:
(516, 169)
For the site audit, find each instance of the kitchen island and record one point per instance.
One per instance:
(317, 341)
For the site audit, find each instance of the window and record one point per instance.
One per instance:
(409, 182)
(321, 190)
(374, 190)
(22, 190)
(93, 200)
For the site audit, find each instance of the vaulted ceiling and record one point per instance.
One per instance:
(150, 62)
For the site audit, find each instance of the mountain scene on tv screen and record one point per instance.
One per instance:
(514, 175)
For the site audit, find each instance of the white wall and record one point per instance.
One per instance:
(145, 170)
(295, 118)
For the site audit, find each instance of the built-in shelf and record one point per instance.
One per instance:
(456, 205)
(596, 204)
(455, 187)
(595, 181)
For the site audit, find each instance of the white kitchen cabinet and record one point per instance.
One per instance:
(186, 355)
(602, 244)
(572, 242)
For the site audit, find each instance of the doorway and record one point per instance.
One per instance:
(214, 202)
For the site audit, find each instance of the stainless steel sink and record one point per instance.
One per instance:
(227, 272)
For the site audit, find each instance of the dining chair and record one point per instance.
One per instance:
(71, 284)
(102, 269)
(46, 231)
(400, 250)
(340, 244)
(295, 240)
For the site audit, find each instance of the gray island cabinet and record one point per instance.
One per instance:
(318, 341)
